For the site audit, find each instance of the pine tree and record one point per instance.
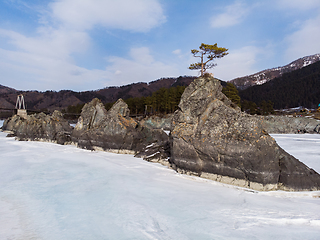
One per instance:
(211, 52)
(232, 93)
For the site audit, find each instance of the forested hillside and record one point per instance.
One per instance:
(51, 100)
(162, 101)
(298, 88)
(269, 74)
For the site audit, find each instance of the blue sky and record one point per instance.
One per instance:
(91, 44)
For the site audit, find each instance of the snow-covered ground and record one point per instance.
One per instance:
(49, 191)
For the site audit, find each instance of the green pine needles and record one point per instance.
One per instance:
(207, 53)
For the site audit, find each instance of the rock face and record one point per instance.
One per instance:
(214, 140)
(283, 124)
(39, 127)
(115, 131)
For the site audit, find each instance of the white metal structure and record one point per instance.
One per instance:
(20, 102)
(21, 107)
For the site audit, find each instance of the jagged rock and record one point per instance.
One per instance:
(212, 139)
(284, 124)
(39, 127)
(115, 131)
(92, 115)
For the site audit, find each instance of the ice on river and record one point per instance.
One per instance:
(49, 191)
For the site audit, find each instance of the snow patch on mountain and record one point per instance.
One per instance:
(269, 74)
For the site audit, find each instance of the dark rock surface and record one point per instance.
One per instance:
(115, 131)
(215, 140)
(284, 124)
(39, 127)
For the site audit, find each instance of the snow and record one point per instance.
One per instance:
(260, 82)
(50, 191)
(153, 154)
(305, 147)
(149, 146)
(167, 132)
(306, 63)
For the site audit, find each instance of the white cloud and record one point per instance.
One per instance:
(233, 15)
(305, 41)
(238, 63)
(29, 71)
(177, 51)
(133, 15)
(139, 67)
(46, 61)
(298, 4)
(43, 62)
(25, 70)
(50, 42)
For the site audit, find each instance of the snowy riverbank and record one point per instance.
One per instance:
(50, 191)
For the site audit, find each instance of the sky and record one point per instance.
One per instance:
(92, 44)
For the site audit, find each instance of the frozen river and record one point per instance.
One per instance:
(49, 191)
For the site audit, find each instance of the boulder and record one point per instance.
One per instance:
(212, 138)
(115, 131)
(39, 127)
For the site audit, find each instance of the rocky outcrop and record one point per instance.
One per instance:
(284, 124)
(115, 131)
(214, 140)
(39, 127)
(210, 137)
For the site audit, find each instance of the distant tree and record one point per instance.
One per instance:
(232, 93)
(249, 107)
(108, 105)
(264, 107)
(75, 109)
(211, 52)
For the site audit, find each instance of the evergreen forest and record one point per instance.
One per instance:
(297, 88)
(166, 100)
(162, 101)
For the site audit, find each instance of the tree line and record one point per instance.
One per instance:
(162, 101)
(262, 108)
(166, 100)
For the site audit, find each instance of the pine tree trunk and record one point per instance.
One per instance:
(201, 64)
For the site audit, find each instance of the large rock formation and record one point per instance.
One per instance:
(39, 127)
(115, 131)
(284, 124)
(215, 140)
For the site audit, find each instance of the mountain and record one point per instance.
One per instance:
(297, 88)
(51, 100)
(4, 89)
(269, 74)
